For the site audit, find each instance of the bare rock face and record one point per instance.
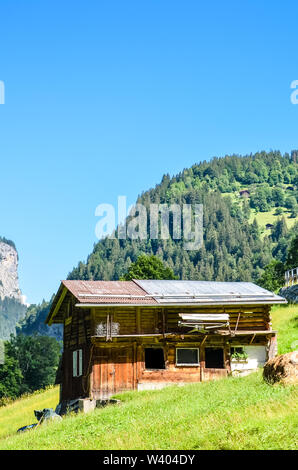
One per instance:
(282, 369)
(9, 281)
(12, 303)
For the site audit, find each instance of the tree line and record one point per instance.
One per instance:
(30, 364)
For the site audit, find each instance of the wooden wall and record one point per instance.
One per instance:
(77, 335)
(146, 320)
(121, 366)
(75, 387)
(113, 370)
(112, 365)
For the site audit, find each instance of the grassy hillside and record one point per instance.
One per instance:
(285, 321)
(21, 412)
(233, 413)
(270, 217)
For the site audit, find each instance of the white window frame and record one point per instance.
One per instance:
(77, 360)
(188, 364)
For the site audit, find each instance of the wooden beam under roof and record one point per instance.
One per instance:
(58, 305)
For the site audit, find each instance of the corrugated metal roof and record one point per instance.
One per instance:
(157, 292)
(207, 292)
(108, 292)
(169, 292)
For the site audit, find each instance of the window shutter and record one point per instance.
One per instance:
(80, 361)
(75, 363)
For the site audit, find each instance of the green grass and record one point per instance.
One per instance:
(285, 321)
(269, 217)
(232, 413)
(263, 218)
(21, 412)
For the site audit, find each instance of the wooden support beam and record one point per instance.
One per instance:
(58, 305)
(135, 366)
(237, 323)
(138, 320)
(108, 327)
(253, 337)
(163, 322)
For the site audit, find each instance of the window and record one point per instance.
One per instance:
(154, 358)
(237, 351)
(214, 358)
(77, 363)
(187, 356)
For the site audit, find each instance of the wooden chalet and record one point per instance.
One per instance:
(126, 335)
(244, 193)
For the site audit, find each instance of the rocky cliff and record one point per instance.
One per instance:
(9, 280)
(12, 306)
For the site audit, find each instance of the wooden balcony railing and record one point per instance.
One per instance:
(291, 277)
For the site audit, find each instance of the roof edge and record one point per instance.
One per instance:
(58, 299)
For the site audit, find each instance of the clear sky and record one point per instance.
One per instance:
(104, 97)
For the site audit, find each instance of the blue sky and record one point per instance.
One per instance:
(104, 97)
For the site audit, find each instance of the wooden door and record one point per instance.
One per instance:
(124, 369)
(103, 377)
(113, 371)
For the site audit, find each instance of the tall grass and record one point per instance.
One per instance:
(285, 321)
(233, 413)
(21, 412)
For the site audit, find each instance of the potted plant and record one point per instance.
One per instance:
(238, 355)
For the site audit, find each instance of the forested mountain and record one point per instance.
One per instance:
(11, 312)
(34, 322)
(234, 191)
(236, 246)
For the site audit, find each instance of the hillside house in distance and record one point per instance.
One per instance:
(244, 193)
(138, 335)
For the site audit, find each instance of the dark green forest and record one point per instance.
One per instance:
(30, 364)
(34, 322)
(234, 247)
(11, 312)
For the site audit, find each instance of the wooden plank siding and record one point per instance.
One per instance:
(146, 320)
(122, 367)
(74, 387)
(115, 363)
(113, 370)
(76, 336)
